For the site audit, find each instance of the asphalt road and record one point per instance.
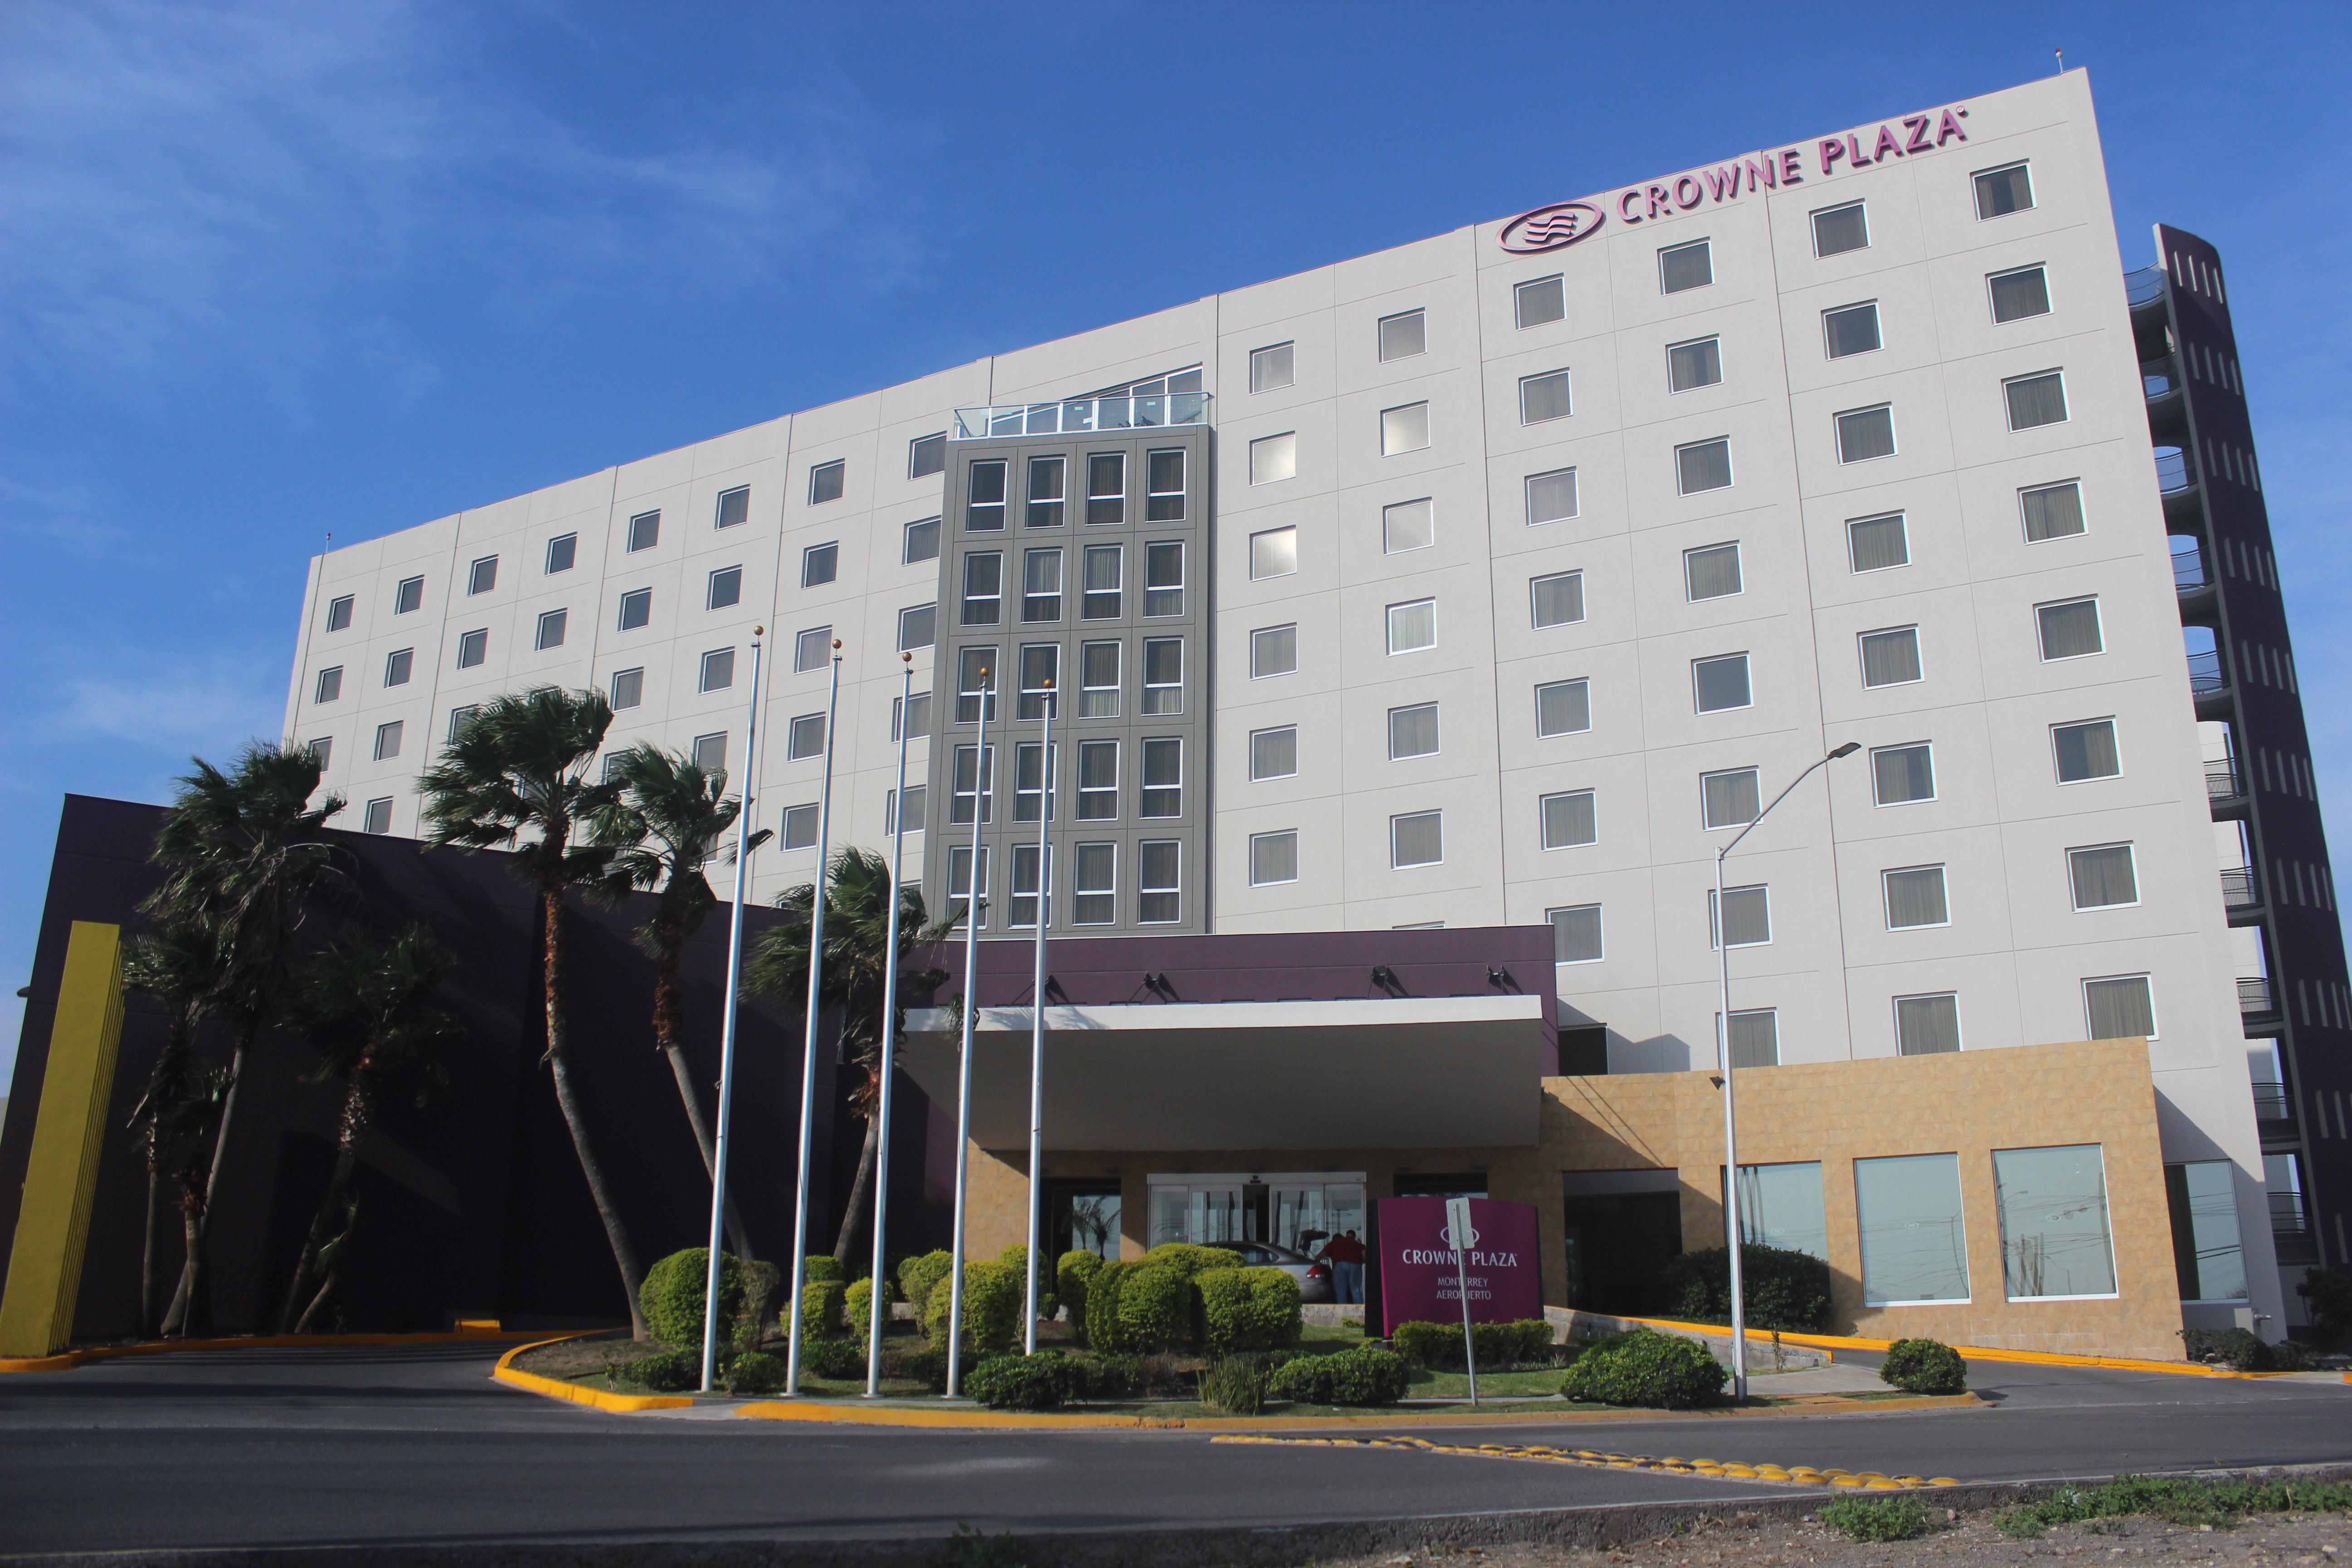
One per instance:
(303, 1448)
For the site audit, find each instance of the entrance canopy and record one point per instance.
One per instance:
(1386, 1072)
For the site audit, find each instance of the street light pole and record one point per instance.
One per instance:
(808, 1032)
(1037, 1006)
(880, 1301)
(1731, 1227)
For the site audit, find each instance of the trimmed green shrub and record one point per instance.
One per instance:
(1155, 1308)
(672, 1297)
(1246, 1310)
(1644, 1367)
(840, 1360)
(1785, 1288)
(1073, 1271)
(992, 1309)
(1525, 1342)
(927, 1365)
(1878, 1519)
(1039, 1381)
(1187, 1260)
(665, 1371)
(761, 1285)
(2291, 1355)
(1113, 1376)
(823, 1267)
(857, 1309)
(1925, 1366)
(2245, 1351)
(752, 1371)
(1364, 1375)
(1104, 1332)
(822, 1302)
(1234, 1384)
(918, 1275)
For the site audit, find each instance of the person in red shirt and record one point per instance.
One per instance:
(1346, 1256)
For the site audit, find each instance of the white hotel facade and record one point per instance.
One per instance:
(1511, 577)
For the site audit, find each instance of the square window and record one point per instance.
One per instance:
(2054, 1241)
(2036, 400)
(1413, 627)
(1270, 368)
(1851, 330)
(551, 629)
(398, 665)
(1730, 798)
(1748, 916)
(1575, 933)
(1900, 1202)
(1157, 890)
(636, 608)
(1094, 900)
(2020, 294)
(1274, 553)
(983, 588)
(1901, 775)
(1105, 489)
(804, 738)
(800, 826)
(321, 750)
(1875, 543)
(1163, 675)
(820, 564)
(1682, 267)
(921, 542)
(1890, 657)
(926, 455)
(387, 741)
(1164, 487)
(718, 669)
(826, 480)
(734, 507)
(2085, 750)
(1551, 498)
(2052, 512)
(1412, 732)
(2120, 1008)
(1416, 838)
(480, 577)
(1711, 572)
(726, 588)
(811, 650)
(1540, 302)
(1720, 683)
(339, 610)
(1099, 780)
(1404, 429)
(562, 554)
(1273, 650)
(2104, 877)
(1563, 708)
(1407, 525)
(628, 688)
(1914, 897)
(1866, 433)
(1099, 681)
(1274, 753)
(973, 786)
(1273, 858)
(410, 594)
(1837, 230)
(1756, 1038)
(916, 716)
(919, 626)
(1403, 335)
(2070, 630)
(644, 531)
(1926, 1025)
(984, 510)
(473, 647)
(1567, 819)
(1556, 600)
(1163, 578)
(1048, 478)
(1703, 466)
(330, 687)
(1163, 795)
(1041, 586)
(2000, 192)
(377, 818)
(1544, 397)
(1695, 364)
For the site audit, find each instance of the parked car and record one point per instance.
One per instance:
(1314, 1275)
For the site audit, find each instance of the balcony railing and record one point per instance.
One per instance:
(2254, 999)
(2174, 471)
(2240, 887)
(2189, 572)
(2206, 673)
(2160, 376)
(2272, 1104)
(1079, 414)
(2221, 779)
(2144, 286)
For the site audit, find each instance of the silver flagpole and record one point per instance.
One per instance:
(981, 793)
(743, 847)
(808, 1034)
(1037, 1005)
(880, 1306)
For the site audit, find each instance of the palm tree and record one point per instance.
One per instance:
(363, 1005)
(857, 937)
(520, 764)
(668, 819)
(241, 849)
(182, 966)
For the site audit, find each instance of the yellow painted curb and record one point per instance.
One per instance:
(595, 1398)
(1672, 1464)
(73, 1358)
(1834, 1343)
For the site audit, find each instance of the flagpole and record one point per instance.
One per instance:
(1037, 1003)
(743, 848)
(879, 1307)
(808, 1034)
(979, 792)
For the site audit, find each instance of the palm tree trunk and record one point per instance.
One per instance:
(669, 1030)
(735, 1233)
(151, 1285)
(310, 1314)
(191, 1307)
(191, 1225)
(857, 1191)
(356, 1096)
(624, 1255)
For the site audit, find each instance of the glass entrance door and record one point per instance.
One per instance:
(1294, 1210)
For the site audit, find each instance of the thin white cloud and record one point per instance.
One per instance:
(212, 707)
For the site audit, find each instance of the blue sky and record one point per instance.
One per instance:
(272, 270)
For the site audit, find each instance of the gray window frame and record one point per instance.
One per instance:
(644, 533)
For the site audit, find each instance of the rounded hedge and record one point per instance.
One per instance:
(840, 1360)
(665, 1371)
(1103, 1334)
(1246, 1310)
(752, 1371)
(1785, 1288)
(1925, 1366)
(673, 1292)
(823, 1267)
(823, 1302)
(918, 1275)
(992, 1303)
(1644, 1367)
(1037, 1382)
(1187, 1260)
(1364, 1375)
(1073, 1272)
(1155, 1308)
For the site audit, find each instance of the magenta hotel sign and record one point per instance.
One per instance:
(1562, 224)
(1421, 1277)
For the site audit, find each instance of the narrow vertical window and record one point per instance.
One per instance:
(1094, 899)
(984, 510)
(1163, 677)
(1099, 780)
(1107, 487)
(983, 588)
(975, 678)
(1157, 891)
(1163, 498)
(1030, 778)
(1041, 668)
(1041, 586)
(974, 786)
(1163, 578)
(1163, 779)
(1046, 477)
(1098, 684)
